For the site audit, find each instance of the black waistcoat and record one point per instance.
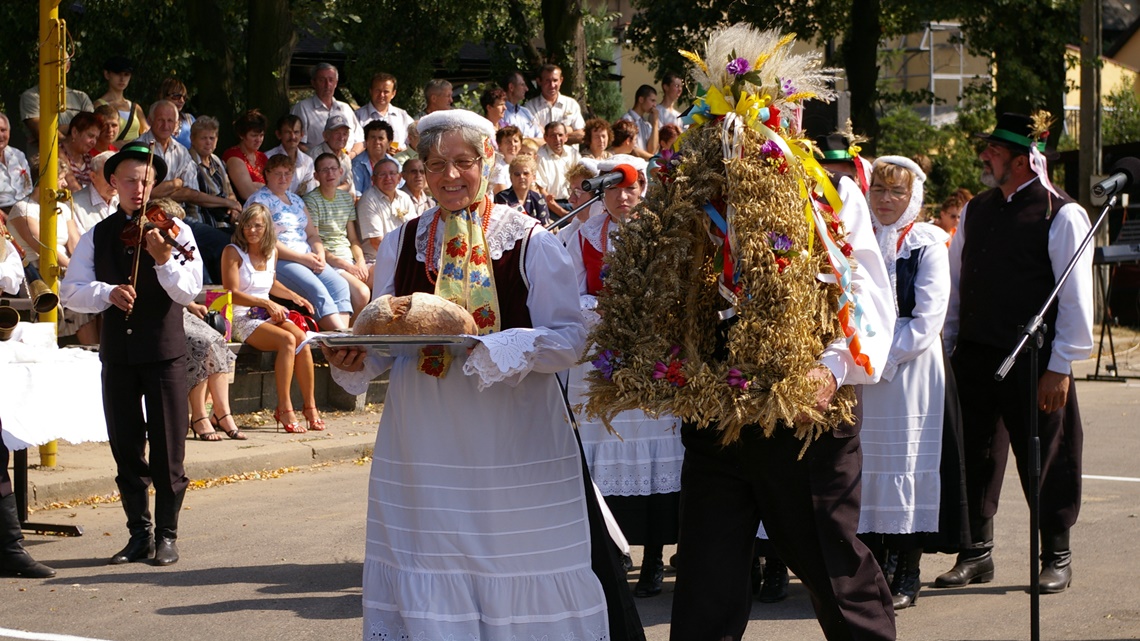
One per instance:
(510, 287)
(154, 331)
(1006, 271)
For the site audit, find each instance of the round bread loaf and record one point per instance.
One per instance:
(419, 314)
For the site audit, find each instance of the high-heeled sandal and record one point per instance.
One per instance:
(317, 425)
(235, 434)
(292, 428)
(204, 436)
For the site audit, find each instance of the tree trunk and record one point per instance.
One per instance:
(272, 37)
(860, 57)
(213, 65)
(518, 15)
(566, 42)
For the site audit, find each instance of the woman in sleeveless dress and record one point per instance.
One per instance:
(117, 71)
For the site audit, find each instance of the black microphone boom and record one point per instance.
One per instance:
(605, 181)
(1124, 174)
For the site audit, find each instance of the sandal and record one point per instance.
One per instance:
(315, 425)
(292, 428)
(235, 433)
(204, 436)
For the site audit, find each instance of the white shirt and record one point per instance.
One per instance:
(394, 116)
(314, 114)
(564, 110)
(15, 176)
(523, 118)
(644, 128)
(179, 164)
(31, 209)
(304, 174)
(669, 117)
(551, 174)
(423, 203)
(873, 291)
(378, 216)
(11, 269)
(90, 208)
(79, 291)
(1073, 338)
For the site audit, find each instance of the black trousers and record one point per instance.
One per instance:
(810, 509)
(995, 418)
(162, 387)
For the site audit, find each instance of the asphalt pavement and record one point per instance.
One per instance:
(273, 534)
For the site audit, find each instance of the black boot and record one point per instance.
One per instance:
(756, 576)
(775, 587)
(166, 511)
(652, 573)
(1056, 558)
(907, 580)
(14, 559)
(976, 564)
(141, 545)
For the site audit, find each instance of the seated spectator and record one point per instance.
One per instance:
(437, 95)
(209, 363)
(15, 174)
(24, 222)
(74, 150)
(554, 158)
(509, 141)
(248, 267)
(110, 131)
(383, 208)
(597, 138)
(951, 211)
(377, 145)
(213, 179)
(410, 151)
(75, 102)
(415, 185)
(514, 84)
(520, 195)
(334, 214)
(625, 140)
(289, 133)
(245, 163)
(382, 91)
(301, 263)
(96, 201)
(552, 106)
(132, 123)
(584, 170)
(644, 115)
(494, 103)
(316, 110)
(336, 137)
(530, 147)
(174, 90)
(668, 135)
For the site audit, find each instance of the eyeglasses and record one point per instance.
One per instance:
(439, 165)
(176, 96)
(327, 170)
(883, 192)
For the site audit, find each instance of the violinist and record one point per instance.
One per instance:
(141, 285)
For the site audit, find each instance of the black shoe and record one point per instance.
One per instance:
(756, 576)
(21, 564)
(775, 586)
(907, 580)
(652, 575)
(139, 548)
(1056, 562)
(976, 568)
(165, 552)
(626, 563)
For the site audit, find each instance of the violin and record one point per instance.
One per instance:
(154, 217)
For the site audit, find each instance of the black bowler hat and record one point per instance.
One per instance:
(1015, 131)
(141, 152)
(834, 148)
(119, 64)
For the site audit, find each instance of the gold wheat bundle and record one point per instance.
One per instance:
(743, 224)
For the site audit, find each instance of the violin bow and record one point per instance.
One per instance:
(142, 230)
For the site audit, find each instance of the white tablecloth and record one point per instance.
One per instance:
(48, 393)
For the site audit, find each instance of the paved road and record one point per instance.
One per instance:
(281, 559)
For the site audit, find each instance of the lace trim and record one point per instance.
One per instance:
(921, 235)
(591, 230)
(507, 227)
(379, 628)
(501, 356)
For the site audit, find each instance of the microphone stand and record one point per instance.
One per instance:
(1033, 335)
(574, 212)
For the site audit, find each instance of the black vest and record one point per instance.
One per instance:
(154, 331)
(906, 275)
(1006, 271)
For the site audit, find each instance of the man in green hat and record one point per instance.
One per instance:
(141, 289)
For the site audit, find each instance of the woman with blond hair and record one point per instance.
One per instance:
(248, 271)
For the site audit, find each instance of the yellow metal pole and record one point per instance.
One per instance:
(52, 96)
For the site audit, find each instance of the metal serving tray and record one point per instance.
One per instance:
(398, 345)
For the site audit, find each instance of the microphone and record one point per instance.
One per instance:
(1124, 174)
(620, 176)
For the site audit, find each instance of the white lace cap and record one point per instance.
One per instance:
(451, 118)
(611, 163)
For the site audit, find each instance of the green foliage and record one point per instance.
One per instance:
(952, 154)
(603, 95)
(1120, 121)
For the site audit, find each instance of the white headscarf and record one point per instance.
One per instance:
(888, 235)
